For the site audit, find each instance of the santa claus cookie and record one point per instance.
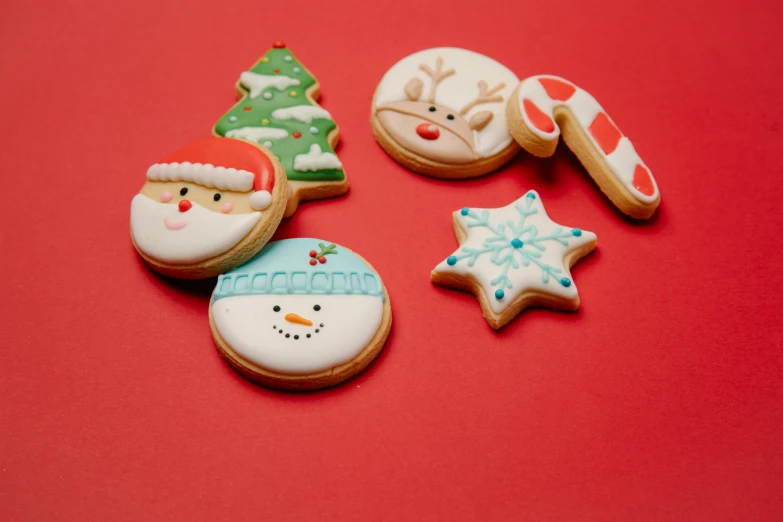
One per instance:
(441, 112)
(514, 257)
(302, 314)
(277, 109)
(541, 107)
(208, 208)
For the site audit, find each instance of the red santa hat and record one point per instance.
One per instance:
(221, 163)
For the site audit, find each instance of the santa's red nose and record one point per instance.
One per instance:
(185, 205)
(428, 131)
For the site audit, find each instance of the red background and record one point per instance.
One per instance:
(660, 399)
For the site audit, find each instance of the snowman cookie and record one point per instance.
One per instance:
(442, 112)
(541, 107)
(208, 208)
(277, 109)
(514, 257)
(302, 314)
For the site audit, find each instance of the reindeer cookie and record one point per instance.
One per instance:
(442, 112)
(541, 107)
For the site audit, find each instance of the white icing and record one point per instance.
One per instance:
(203, 235)
(246, 324)
(204, 174)
(522, 278)
(303, 113)
(315, 160)
(457, 90)
(257, 83)
(622, 161)
(257, 134)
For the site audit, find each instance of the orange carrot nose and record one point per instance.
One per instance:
(293, 318)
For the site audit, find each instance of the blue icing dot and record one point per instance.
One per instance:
(530, 195)
(565, 282)
(499, 294)
(451, 260)
(313, 130)
(464, 211)
(517, 243)
(576, 232)
(233, 119)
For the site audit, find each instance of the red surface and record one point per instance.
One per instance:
(660, 399)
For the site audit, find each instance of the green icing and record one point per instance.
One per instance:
(261, 109)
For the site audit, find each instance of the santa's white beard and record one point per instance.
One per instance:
(194, 236)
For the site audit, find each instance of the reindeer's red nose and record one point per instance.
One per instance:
(184, 205)
(428, 131)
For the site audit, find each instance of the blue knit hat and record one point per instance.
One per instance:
(301, 266)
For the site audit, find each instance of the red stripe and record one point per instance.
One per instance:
(537, 117)
(605, 133)
(642, 181)
(557, 89)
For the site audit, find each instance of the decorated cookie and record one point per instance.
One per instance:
(208, 208)
(277, 110)
(302, 314)
(542, 107)
(441, 112)
(514, 257)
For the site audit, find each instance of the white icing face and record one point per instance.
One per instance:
(164, 233)
(287, 334)
(453, 94)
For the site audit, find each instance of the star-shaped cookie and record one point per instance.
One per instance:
(514, 257)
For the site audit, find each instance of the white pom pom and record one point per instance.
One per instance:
(261, 199)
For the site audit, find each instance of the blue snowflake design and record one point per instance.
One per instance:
(514, 245)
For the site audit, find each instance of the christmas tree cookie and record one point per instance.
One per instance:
(277, 110)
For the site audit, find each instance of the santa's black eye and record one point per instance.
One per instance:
(432, 109)
(183, 191)
(450, 117)
(276, 308)
(217, 197)
(317, 307)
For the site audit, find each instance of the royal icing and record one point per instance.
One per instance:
(540, 96)
(316, 160)
(288, 314)
(514, 249)
(461, 93)
(276, 110)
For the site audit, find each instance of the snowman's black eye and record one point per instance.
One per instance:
(317, 307)
(450, 117)
(217, 197)
(432, 109)
(183, 191)
(276, 308)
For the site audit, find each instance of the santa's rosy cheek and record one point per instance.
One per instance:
(227, 207)
(166, 197)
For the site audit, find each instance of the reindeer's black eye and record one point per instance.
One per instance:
(183, 191)
(217, 197)
(450, 117)
(432, 109)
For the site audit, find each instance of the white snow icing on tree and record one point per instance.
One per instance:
(257, 134)
(258, 83)
(316, 159)
(303, 113)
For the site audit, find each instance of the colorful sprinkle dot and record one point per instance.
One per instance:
(288, 58)
(264, 60)
(313, 130)
(247, 108)
(279, 44)
(293, 94)
(277, 71)
(576, 232)
(499, 294)
(517, 243)
(268, 144)
(530, 195)
(297, 70)
(264, 122)
(232, 119)
(464, 211)
(297, 135)
(451, 260)
(267, 95)
(565, 282)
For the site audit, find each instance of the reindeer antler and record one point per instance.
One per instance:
(485, 96)
(438, 75)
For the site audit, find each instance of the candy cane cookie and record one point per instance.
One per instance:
(541, 107)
